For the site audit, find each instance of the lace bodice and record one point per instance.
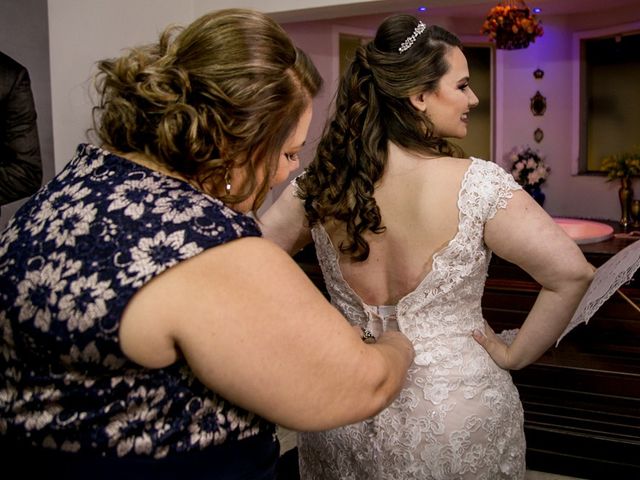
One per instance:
(459, 414)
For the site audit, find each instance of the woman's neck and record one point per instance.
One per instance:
(153, 164)
(401, 161)
(150, 163)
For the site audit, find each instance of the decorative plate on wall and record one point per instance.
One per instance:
(538, 104)
(538, 135)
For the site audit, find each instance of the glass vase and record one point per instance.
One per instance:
(537, 194)
(635, 213)
(625, 194)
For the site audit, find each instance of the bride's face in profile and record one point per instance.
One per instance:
(448, 106)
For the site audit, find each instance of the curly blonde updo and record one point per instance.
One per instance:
(225, 91)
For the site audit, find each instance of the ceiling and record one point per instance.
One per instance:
(448, 8)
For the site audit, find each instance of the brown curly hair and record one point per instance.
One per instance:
(226, 91)
(373, 107)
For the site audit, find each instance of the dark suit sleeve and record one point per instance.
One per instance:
(20, 162)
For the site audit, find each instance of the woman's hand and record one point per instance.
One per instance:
(495, 347)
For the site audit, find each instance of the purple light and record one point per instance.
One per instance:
(422, 9)
(537, 10)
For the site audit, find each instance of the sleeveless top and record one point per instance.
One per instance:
(459, 415)
(70, 261)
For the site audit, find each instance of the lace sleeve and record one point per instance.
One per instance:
(494, 187)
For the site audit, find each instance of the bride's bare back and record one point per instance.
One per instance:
(418, 200)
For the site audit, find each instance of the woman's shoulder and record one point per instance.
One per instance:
(448, 169)
(486, 187)
(457, 164)
(486, 165)
(491, 172)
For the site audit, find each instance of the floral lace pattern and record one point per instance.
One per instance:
(70, 260)
(459, 414)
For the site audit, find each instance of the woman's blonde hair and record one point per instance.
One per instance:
(226, 91)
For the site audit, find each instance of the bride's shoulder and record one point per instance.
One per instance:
(454, 163)
(454, 168)
(487, 168)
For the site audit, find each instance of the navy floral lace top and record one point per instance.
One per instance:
(70, 260)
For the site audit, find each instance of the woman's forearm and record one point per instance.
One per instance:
(546, 321)
(397, 354)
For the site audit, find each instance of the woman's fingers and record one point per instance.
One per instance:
(494, 346)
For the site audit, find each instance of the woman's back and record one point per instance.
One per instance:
(418, 201)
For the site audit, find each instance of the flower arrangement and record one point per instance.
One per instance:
(622, 165)
(528, 167)
(511, 25)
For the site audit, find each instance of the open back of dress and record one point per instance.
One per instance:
(459, 414)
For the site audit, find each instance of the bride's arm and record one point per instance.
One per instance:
(285, 224)
(524, 234)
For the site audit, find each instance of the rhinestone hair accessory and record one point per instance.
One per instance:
(406, 45)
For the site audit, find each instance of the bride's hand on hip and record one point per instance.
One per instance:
(493, 344)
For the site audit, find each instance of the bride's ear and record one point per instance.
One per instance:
(418, 102)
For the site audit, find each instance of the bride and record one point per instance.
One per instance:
(404, 229)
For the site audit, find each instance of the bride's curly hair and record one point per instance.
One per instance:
(226, 91)
(372, 108)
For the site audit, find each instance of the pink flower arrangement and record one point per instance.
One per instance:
(528, 167)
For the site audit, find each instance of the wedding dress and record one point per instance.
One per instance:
(459, 415)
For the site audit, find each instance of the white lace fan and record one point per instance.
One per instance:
(608, 278)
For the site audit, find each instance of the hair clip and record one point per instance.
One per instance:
(406, 45)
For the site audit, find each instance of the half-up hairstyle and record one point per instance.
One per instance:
(224, 92)
(373, 107)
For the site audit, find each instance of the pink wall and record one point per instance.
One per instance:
(567, 194)
(315, 39)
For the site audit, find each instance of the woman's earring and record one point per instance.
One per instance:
(227, 182)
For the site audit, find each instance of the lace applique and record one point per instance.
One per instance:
(490, 190)
(459, 414)
(508, 336)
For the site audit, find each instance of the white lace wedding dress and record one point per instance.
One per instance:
(459, 415)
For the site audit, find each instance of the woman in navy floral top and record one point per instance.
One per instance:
(146, 330)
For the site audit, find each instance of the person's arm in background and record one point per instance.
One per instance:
(255, 330)
(20, 162)
(285, 224)
(524, 234)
